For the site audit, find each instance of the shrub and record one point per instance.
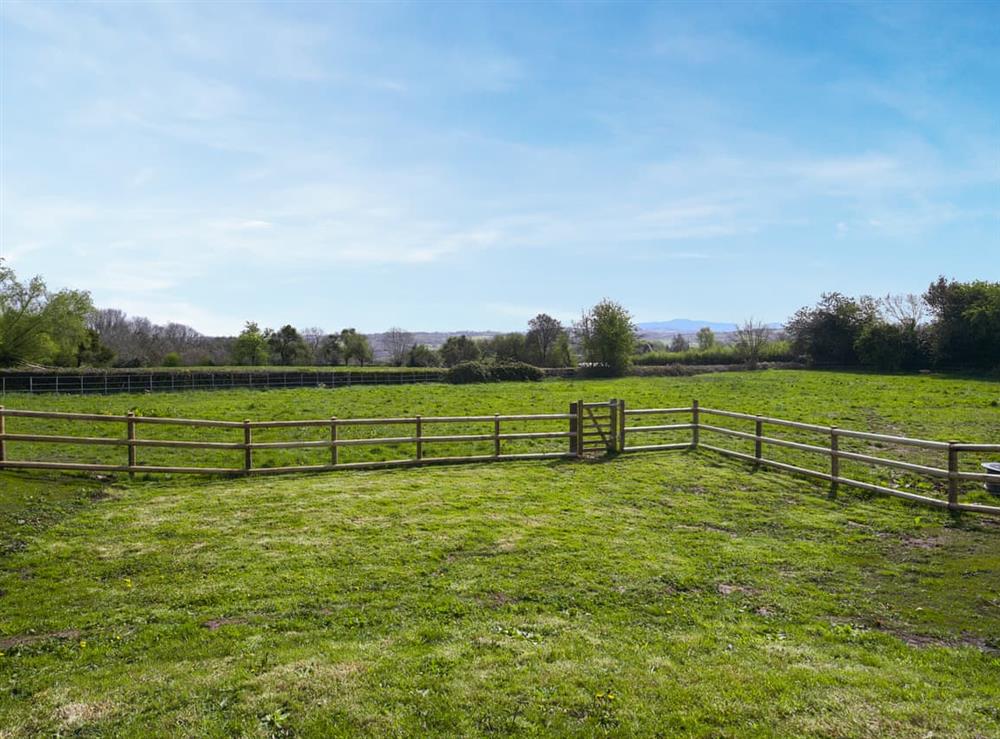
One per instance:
(891, 347)
(173, 359)
(466, 372)
(516, 372)
(478, 371)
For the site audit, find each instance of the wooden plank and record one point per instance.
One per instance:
(68, 416)
(834, 462)
(655, 411)
(78, 466)
(188, 422)
(248, 446)
(177, 444)
(977, 508)
(952, 475)
(621, 425)
(661, 427)
(977, 447)
(55, 439)
(657, 447)
(574, 429)
(130, 435)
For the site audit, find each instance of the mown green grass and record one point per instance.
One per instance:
(669, 593)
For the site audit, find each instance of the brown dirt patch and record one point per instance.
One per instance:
(498, 599)
(217, 623)
(20, 640)
(726, 589)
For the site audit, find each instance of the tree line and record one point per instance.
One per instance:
(952, 325)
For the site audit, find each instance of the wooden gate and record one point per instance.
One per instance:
(596, 427)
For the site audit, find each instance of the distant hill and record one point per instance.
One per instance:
(685, 326)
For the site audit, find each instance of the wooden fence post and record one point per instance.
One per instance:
(834, 461)
(334, 449)
(579, 428)
(575, 447)
(3, 430)
(420, 444)
(621, 425)
(496, 435)
(247, 449)
(758, 445)
(695, 431)
(130, 427)
(613, 424)
(952, 475)
(574, 418)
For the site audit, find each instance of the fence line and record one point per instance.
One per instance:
(110, 383)
(605, 427)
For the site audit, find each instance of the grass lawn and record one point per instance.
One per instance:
(670, 593)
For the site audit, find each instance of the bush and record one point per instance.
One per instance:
(890, 347)
(516, 372)
(173, 359)
(467, 372)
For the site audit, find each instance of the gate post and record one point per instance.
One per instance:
(574, 418)
(613, 425)
(621, 425)
(694, 424)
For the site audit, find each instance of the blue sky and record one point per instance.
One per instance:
(461, 165)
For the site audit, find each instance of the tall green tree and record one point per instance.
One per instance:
(547, 342)
(827, 332)
(331, 350)
(287, 346)
(355, 347)
(966, 327)
(706, 338)
(422, 355)
(92, 353)
(250, 346)
(608, 336)
(40, 326)
(505, 348)
(458, 349)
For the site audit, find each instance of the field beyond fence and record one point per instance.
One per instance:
(585, 429)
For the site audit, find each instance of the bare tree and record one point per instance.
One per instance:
(314, 337)
(906, 310)
(397, 344)
(751, 338)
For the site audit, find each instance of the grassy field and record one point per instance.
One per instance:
(670, 593)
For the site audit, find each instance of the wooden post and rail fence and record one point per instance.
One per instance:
(591, 428)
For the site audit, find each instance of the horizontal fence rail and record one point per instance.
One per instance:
(948, 450)
(588, 428)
